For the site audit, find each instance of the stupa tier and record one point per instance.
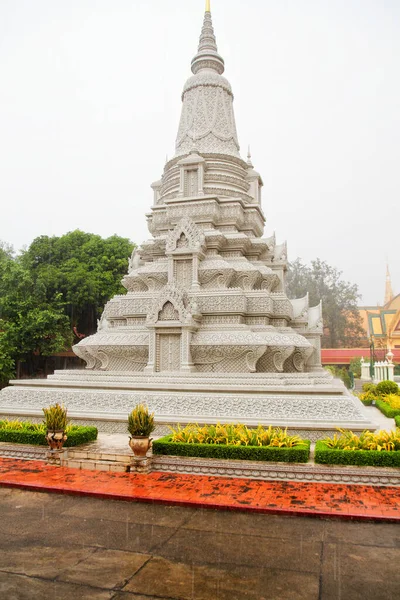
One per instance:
(207, 293)
(205, 331)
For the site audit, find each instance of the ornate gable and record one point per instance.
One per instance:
(172, 304)
(186, 236)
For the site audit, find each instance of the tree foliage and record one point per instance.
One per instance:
(342, 322)
(28, 323)
(56, 284)
(83, 269)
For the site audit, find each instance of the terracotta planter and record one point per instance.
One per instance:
(140, 445)
(56, 439)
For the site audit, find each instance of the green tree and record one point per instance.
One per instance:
(29, 325)
(342, 322)
(7, 362)
(355, 366)
(56, 284)
(82, 269)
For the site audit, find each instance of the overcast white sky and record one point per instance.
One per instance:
(90, 103)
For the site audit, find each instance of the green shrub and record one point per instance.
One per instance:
(140, 421)
(341, 373)
(355, 366)
(397, 420)
(369, 388)
(387, 387)
(23, 436)
(393, 400)
(386, 409)
(55, 417)
(21, 432)
(330, 456)
(300, 453)
(234, 434)
(383, 441)
(345, 377)
(25, 425)
(366, 399)
(78, 435)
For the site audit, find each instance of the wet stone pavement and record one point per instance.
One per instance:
(69, 547)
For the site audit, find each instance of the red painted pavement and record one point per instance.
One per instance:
(276, 497)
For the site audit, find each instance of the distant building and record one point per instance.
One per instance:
(382, 323)
(382, 327)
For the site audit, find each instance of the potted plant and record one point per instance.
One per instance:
(140, 426)
(55, 420)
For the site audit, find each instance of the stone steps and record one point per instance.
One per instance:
(95, 465)
(96, 461)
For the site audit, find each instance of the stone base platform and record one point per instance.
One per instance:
(310, 404)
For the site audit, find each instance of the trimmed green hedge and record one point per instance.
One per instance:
(80, 435)
(386, 409)
(260, 453)
(366, 402)
(329, 456)
(397, 420)
(76, 436)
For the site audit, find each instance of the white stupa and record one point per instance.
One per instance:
(205, 331)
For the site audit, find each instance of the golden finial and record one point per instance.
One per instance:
(208, 5)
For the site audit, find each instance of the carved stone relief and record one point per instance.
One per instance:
(168, 313)
(186, 235)
(168, 352)
(183, 273)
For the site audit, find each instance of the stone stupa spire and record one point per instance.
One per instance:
(207, 116)
(207, 56)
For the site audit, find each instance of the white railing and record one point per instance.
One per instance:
(383, 371)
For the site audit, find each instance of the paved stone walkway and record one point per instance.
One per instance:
(76, 548)
(378, 417)
(274, 497)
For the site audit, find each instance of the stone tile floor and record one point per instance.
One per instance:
(108, 443)
(81, 548)
(275, 497)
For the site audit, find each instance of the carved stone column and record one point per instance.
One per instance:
(314, 364)
(151, 365)
(181, 182)
(170, 269)
(195, 272)
(187, 364)
(201, 179)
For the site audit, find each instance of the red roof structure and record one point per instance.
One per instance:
(342, 356)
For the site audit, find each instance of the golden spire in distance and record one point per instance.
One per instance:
(208, 5)
(388, 286)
